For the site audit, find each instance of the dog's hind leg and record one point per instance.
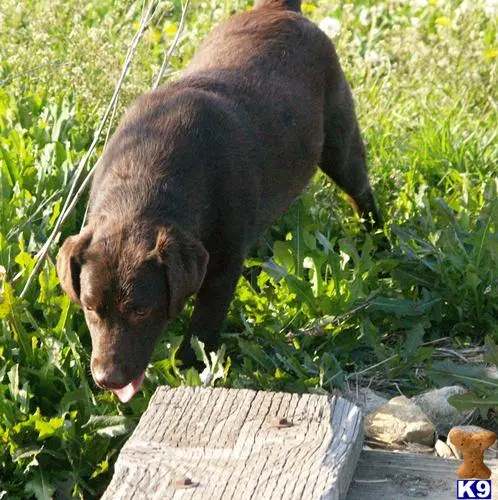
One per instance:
(343, 157)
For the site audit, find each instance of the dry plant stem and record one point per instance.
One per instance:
(437, 341)
(143, 20)
(70, 200)
(318, 328)
(31, 71)
(366, 370)
(167, 57)
(41, 206)
(390, 358)
(451, 352)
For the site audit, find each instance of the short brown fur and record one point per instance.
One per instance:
(197, 169)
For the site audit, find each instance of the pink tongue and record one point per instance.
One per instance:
(128, 391)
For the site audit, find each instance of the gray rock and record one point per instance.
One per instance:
(443, 450)
(400, 421)
(491, 371)
(444, 416)
(367, 399)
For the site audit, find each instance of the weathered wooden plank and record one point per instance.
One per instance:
(226, 443)
(396, 476)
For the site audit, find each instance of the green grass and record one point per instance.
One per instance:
(319, 300)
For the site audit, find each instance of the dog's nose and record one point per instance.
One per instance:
(108, 376)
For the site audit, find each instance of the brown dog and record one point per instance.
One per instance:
(197, 169)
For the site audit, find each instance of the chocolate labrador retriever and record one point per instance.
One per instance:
(197, 169)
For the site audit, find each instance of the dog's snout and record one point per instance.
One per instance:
(108, 375)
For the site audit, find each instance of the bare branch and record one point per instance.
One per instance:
(168, 55)
(370, 368)
(29, 72)
(16, 232)
(318, 328)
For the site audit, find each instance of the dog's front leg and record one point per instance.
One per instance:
(211, 304)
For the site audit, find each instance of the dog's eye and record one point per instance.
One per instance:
(88, 308)
(140, 311)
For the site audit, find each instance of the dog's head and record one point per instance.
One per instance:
(130, 282)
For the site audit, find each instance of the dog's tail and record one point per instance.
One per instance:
(294, 5)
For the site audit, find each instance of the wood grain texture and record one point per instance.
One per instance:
(399, 476)
(226, 443)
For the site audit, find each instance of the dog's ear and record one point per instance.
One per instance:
(185, 260)
(69, 263)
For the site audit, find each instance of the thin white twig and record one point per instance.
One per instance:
(362, 372)
(90, 174)
(172, 47)
(16, 232)
(452, 352)
(70, 203)
(28, 72)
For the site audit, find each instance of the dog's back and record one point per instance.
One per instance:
(272, 41)
(269, 71)
(277, 69)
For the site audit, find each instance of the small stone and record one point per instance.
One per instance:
(441, 413)
(443, 450)
(400, 421)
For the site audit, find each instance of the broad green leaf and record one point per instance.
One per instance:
(73, 398)
(448, 372)
(217, 370)
(470, 400)
(48, 282)
(315, 263)
(48, 428)
(200, 352)
(327, 245)
(7, 301)
(274, 270)
(192, 378)
(350, 249)
(402, 307)
(102, 468)
(257, 354)
(110, 425)
(283, 255)
(414, 338)
(302, 289)
(8, 168)
(14, 382)
(25, 261)
(65, 306)
(55, 213)
(309, 240)
(39, 486)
